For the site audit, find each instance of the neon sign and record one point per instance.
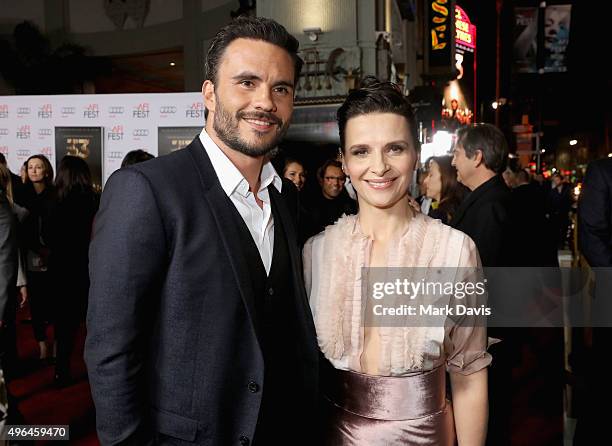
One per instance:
(465, 32)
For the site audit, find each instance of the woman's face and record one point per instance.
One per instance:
(295, 173)
(379, 157)
(433, 181)
(36, 170)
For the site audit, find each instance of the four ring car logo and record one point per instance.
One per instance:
(115, 155)
(44, 132)
(196, 110)
(141, 110)
(4, 132)
(23, 153)
(92, 111)
(23, 111)
(140, 133)
(116, 133)
(116, 110)
(68, 111)
(23, 132)
(167, 110)
(45, 112)
(4, 111)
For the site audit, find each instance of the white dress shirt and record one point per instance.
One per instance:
(259, 221)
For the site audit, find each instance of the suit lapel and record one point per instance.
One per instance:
(220, 207)
(288, 224)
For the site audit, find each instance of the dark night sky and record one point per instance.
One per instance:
(572, 102)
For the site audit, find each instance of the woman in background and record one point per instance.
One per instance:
(294, 171)
(70, 233)
(387, 385)
(442, 186)
(39, 200)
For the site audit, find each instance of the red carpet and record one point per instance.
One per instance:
(40, 402)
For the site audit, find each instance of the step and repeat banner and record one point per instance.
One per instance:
(99, 128)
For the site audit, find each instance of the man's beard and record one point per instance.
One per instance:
(226, 127)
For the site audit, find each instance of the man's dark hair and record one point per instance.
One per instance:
(136, 156)
(255, 28)
(329, 163)
(489, 140)
(376, 97)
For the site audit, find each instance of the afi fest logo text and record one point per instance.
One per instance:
(45, 112)
(4, 132)
(4, 111)
(23, 132)
(141, 110)
(166, 110)
(43, 133)
(92, 111)
(115, 110)
(140, 133)
(116, 133)
(23, 111)
(68, 111)
(46, 151)
(196, 110)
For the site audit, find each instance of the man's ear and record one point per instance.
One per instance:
(208, 93)
(478, 158)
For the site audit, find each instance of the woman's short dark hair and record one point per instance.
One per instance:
(255, 28)
(489, 140)
(376, 97)
(291, 161)
(48, 168)
(73, 174)
(136, 156)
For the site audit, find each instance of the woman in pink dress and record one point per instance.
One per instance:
(387, 385)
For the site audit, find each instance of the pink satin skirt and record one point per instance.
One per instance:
(366, 410)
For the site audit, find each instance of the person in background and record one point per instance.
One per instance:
(442, 186)
(294, 171)
(39, 200)
(136, 156)
(16, 183)
(334, 201)
(69, 234)
(559, 207)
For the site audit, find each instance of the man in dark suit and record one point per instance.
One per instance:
(595, 242)
(199, 330)
(480, 156)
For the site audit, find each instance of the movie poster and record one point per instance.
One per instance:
(84, 142)
(556, 37)
(525, 39)
(170, 139)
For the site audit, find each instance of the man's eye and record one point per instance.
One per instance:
(281, 90)
(396, 149)
(246, 83)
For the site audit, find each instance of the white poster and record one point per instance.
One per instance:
(130, 121)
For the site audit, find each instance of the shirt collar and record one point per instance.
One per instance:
(230, 177)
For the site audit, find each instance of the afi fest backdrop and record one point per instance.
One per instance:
(99, 128)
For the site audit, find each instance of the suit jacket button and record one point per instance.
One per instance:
(271, 291)
(253, 387)
(244, 441)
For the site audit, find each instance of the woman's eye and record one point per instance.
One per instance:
(396, 149)
(359, 152)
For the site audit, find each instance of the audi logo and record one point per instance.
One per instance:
(68, 110)
(115, 110)
(4, 132)
(167, 109)
(44, 132)
(23, 111)
(140, 132)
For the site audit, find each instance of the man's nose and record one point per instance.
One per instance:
(264, 100)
